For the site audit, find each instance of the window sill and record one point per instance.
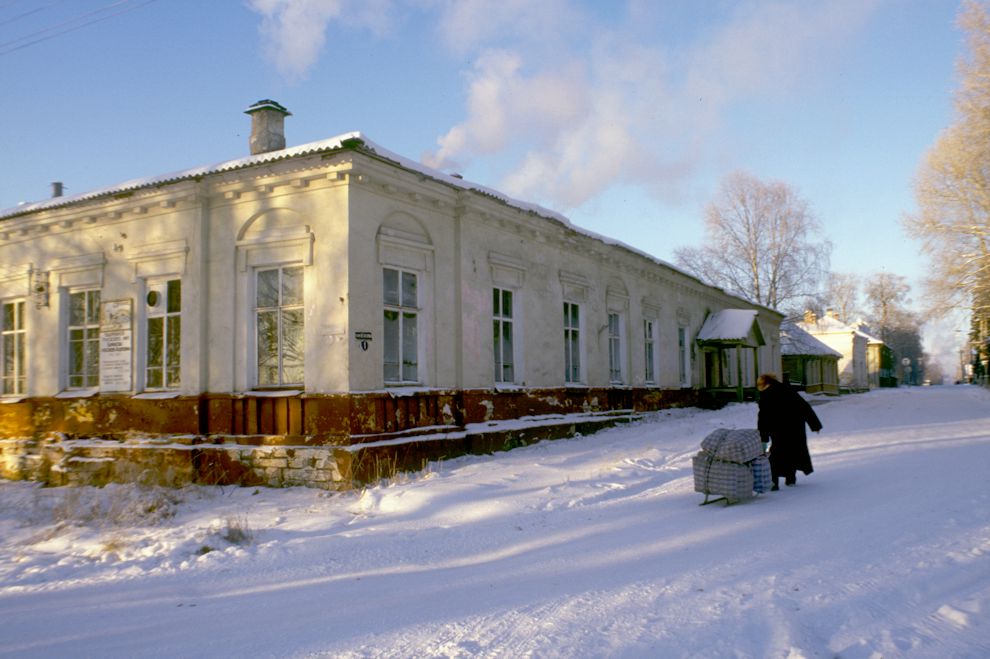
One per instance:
(6, 400)
(156, 395)
(272, 393)
(78, 393)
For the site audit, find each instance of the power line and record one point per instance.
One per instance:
(25, 14)
(76, 23)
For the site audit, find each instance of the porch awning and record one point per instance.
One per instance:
(732, 327)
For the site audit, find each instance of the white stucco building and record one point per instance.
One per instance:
(334, 291)
(846, 340)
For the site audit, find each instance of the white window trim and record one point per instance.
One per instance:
(684, 356)
(513, 320)
(622, 349)
(15, 281)
(253, 325)
(159, 260)
(402, 382)
(581, 353)
(79, 272)
(275, 247)
(141, 341)
(9, 397)
(650, 358)
(413, 253)
(65, 304)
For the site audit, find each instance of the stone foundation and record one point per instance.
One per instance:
(177, 461)
(332, 442)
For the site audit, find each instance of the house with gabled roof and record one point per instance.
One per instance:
(808, 364)
(846, 340)
(336, 294)
(879, 359)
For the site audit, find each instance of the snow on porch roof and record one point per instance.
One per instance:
(732, 326)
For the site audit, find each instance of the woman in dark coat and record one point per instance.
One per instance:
(783, 414)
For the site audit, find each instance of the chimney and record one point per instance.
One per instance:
(267, 126)
(809, 317)
(56, 189)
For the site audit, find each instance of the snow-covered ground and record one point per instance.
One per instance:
(589, 547)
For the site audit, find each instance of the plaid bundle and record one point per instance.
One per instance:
(731, 464)
(728, 479)
(736, 445)
(761, 475)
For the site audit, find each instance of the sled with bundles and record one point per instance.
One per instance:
(731, 466)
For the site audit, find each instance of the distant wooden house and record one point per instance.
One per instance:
(847, 340)
(808, 363)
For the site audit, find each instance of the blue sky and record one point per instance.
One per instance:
(624, 116)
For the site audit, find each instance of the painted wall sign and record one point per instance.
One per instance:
(363, 338)
(116, 343)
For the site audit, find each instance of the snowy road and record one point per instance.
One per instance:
(590, 547)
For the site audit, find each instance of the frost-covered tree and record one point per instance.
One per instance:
(952, 186)
(762, 242)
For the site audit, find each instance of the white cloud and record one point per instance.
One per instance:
(569, 101)
(617, 107)
(294, 31)
(467, 25)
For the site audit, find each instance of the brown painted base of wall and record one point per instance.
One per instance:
(331, 442)
(307, 419)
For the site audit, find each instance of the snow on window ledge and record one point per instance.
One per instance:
(156, 395)
(78, 393)
(272, 393)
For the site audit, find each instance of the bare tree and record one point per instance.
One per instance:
(900, 328)
(762, 243)
(842, 295)
(952, 186)
(887, 298)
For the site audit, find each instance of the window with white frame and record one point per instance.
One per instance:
(572, 342)
(12, 346)
(683, 355)
(163, 334)
(400, 297)
(279, 325)
(83, 338)
(649, 351)
(614, 348)
(502, 335)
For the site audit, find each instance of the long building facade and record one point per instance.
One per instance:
(336, 293)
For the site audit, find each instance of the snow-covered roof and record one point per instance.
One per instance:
(795, 341)
(351, 140)
(346, 140)
(864, 330)
(827, 325)
(731, 325)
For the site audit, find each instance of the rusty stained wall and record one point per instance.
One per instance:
(315, 419)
